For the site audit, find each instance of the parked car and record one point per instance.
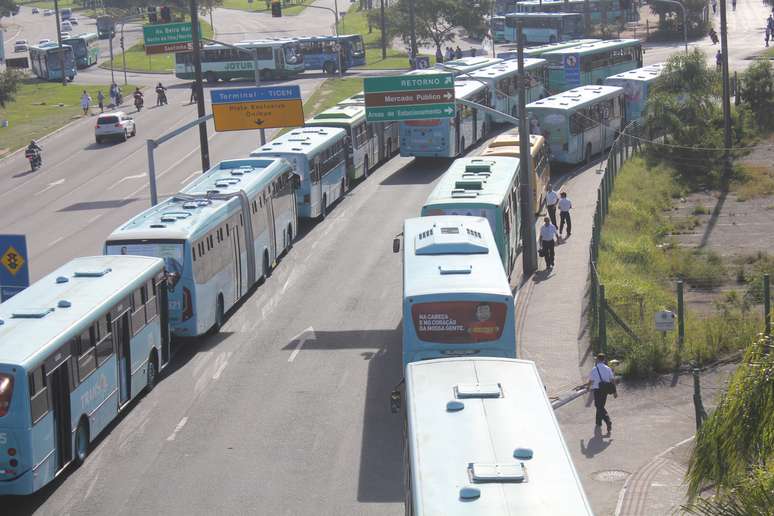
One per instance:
(44, 41)
(66, 26)
(35, 10)
(20, 46)
(48, 12)
(114, 125)
(65, 35)
(73, 20)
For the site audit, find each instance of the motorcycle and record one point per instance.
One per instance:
(34, 157)
(138, 102)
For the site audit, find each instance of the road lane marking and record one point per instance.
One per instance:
(54, 242)
(193, 174)
(179, 427)
(91, 486)
(307, 334)
(127, 178)
(224, 357)
(50, 186)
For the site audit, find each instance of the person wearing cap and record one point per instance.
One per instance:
(601, 373)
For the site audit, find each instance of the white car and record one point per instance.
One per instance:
(20, 46)
(44, 41)
(73, 20)
(114, 125)
(66, 26)
(48, 12)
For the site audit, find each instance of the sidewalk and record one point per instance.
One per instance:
(649, 419)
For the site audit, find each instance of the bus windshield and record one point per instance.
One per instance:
(79, 47)
(171, 252)
(357, 47)
(459, 322)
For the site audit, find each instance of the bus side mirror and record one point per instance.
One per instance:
(396, 244)
(395, 401)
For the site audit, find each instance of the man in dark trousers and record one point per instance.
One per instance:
(552, 199)
(601, 373)
(548, 237)
(564, 213)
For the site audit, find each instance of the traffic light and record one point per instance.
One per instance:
(152, 17)
(166, 15)
(276, 9)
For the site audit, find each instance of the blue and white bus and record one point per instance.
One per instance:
(600, 11)
(503, 82)
(75, 348)
(456, 297)
(579, 123)
(219, 236)
(466, 64)
(544, 27)
(387, 133)
(448, 137)
(497, 26)
(591, 63)
(85, 48)
(636, 88)
(538, 50)
(481, 438)
(319, 157)
(46, 62)
(483, 187)
(320, 52)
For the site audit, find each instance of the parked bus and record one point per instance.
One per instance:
(503, 78)
(362, 144)
(85, 49)
(636, 88)
(600, 11)
(591, 63)
(277, 59)
(106, 27)
(320, 52)
(544, 27)
(466, 64)
(497, 26)
(579, 123)
(448, 137)
(46, 61)
(483, 187)
(481, 437)
(319, 156)
(218, 236)
(387, 133)
(538, 50)
(508, 145)
(75, 348)
(456, 297)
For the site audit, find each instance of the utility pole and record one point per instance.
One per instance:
(197, 61)
(382, 28)
(529, 252)
(59, 41)
(726, 93)
(110, 46)
(413, 24)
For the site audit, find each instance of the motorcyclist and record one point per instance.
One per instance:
(35, 150)
(138, 98)
(161, 95)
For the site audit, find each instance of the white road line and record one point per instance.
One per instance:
(54, 242)
(127, 178)
(222, 366)
(195, 173)
(307, 334)
(179, 427)
(50, 186)
(91, 486)
(95, 217)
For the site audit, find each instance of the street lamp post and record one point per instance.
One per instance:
(59, 42)
(685, 19)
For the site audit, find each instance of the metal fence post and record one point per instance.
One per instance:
(680, 317)
(602, 320)
(767, 303)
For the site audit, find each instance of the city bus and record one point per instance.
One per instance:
(387, 133)
(481, 437)
(448, 137)
(591, 63)
(578, 123)
(456, 297)
(465, 65)
(46, 61)
(218, 237)
(483, 187)
(508, 145)
(636, 87)
(319, 156)
(76, 347)
(600, 11)
(320, 52)
(497, 26)
(362, 144)
(85, 49)
(544, 27)
(503, 78)
(277, 59)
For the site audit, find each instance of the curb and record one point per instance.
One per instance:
(130, 70)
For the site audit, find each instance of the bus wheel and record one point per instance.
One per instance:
(290, 237)
(329, 68)
(462, 146)
(267, 74)
(365, 167)
(343, 187)
(220, 315)
(211, 77)
(266, 266)
(552, 39)
(324, 207)
(81, 442)
(152, 374)
(389, 148)
(588, 154)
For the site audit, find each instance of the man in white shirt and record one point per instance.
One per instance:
(601, 373)
(548, 236)
(552, 198)
(565, 205)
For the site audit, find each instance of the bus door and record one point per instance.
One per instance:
(271, 222)
(236, 239)
(162, 300)
(279, 59)
(122, 343)
(457, 132)
(59, 383)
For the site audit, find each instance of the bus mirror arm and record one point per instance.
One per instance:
(396, 243)
(396, 398)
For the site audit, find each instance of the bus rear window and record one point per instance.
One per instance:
(459, 322)
(6, 391)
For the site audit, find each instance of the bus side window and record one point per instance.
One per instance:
(86, 354)
(38, 394)
(105, 340)
(138, 312)
(151, 305)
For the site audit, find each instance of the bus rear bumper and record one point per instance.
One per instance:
(21, 485)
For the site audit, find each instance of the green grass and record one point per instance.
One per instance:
(753, 181)
(639, 264)
(41, 107)
(49, 4)
(292, 8)
(138, 61)
(769, 53)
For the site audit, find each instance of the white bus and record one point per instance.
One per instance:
(636, 88)
(319, 156)
(481, 438)
(503, 78)
(218, 237)
(387, 133)
(580, 122)
(277, 59)
(456, 297)
(466, 64)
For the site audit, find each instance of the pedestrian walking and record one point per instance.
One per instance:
(602, 382)
(565, 205)
(768, 35)
(713, 36)
(719, 60)
(733, 5)
(770, 24)
(85, 102)
(449, 53)
(714, 6)
(548, 238)
(101, 101)
(458, 52)
(193, 93)
(438, 55)
(552, 199)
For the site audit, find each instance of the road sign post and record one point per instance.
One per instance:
(14, 265)
(409, 97)
(240, 109)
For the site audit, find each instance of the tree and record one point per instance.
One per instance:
(9, 85)
(206, 7)
(670, 17)
(757, 93)
(8, 7)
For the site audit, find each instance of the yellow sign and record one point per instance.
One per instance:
(269, 114)
(12, 260)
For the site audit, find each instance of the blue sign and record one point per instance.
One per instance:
(14, 265)
(572, 70)
(233, 95)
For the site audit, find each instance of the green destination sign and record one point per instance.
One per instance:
(409, 97)
(408, 83)
(419, 112)
(167, 34)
